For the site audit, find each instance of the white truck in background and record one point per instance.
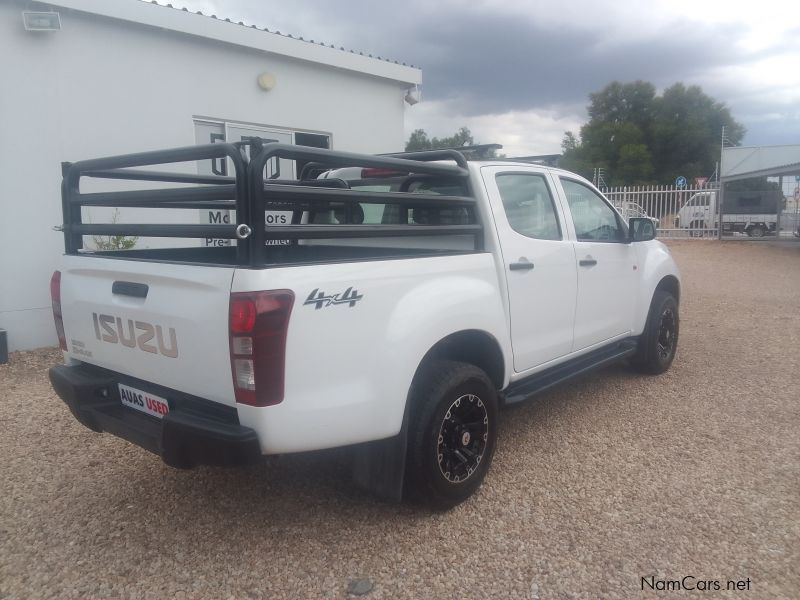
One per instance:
(753, 213)
(419, 294)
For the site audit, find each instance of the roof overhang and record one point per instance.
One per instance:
(759, 161)
(166, 17)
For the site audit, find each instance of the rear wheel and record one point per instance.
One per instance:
(659, 341)
(756, 231)
(453, 432)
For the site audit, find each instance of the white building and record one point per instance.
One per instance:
(118, 76)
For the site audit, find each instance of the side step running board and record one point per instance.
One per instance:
(525, 388)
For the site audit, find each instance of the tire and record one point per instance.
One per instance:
(659, 341)
(756, 231)
(447, 461)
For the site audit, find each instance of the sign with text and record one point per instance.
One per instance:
(211, 132)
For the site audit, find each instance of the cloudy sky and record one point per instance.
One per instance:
(519, 72)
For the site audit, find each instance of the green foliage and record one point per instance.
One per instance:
(419, 140)
(114, 242)
(635, 163)
(639, 137)
(569, 143)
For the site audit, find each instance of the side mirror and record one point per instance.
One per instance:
(641, 229)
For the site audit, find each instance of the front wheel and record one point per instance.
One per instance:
(453, 433)
(659, 340)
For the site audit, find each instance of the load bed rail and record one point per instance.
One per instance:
(250, 194)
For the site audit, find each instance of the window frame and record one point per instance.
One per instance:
(547, 183)
(620, 221)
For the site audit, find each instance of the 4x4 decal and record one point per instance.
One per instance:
(320, 300)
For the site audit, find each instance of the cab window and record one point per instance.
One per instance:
(700, 200)
(529, 206)
(594, 219)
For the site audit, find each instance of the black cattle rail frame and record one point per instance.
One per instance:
(250, 195)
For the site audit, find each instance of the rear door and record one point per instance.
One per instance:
(163, 323)
(539, 262)
(606, 265)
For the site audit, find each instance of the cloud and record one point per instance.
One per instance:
(535, 63)
(507, 64)
(522, 133)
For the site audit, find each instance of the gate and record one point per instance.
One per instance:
(679, 212)
(698, 212)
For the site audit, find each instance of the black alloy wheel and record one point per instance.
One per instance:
(659, 340)
(452, 432)
(462, 438)
(666, 334)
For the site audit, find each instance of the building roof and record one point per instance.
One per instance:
(743, 162)
(166, 16)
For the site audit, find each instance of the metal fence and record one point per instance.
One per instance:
(699, 212)
(679, 212)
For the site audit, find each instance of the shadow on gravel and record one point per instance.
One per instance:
(575, 393)
(298, 495)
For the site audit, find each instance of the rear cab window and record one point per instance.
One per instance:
(369, 213)
(529, 205)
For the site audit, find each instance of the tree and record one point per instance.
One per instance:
(419, 140)
(639, 137)
(624, 103)
(570, 143)
(574, 156)
(687, 128)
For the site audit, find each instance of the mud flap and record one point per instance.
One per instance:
(379, 466)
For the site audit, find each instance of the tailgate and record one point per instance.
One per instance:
(163, 323)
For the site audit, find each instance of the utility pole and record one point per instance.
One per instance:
(721, 192)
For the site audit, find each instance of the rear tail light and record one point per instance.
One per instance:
(258, 325)
(55, 296)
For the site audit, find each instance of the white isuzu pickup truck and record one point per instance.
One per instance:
(410, 297)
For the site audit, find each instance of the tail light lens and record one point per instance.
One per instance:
(258, 325)
(55, 296)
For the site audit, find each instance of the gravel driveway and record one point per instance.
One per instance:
(594, 486)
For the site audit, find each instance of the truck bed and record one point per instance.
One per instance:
(415, 222)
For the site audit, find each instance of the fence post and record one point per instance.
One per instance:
(779, 210)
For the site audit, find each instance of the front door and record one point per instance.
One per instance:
(607, 267)
(539, 264)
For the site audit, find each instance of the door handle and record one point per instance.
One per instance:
(587, 262)
(522, 265)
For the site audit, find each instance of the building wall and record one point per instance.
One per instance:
(102, 87)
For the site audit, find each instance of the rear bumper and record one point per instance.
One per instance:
(185, 437)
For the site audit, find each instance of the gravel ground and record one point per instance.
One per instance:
(597, 484)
